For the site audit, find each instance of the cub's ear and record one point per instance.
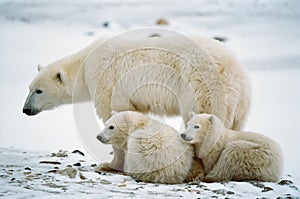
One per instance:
(61, 76)
(191, 114)
(39, 67)
(140, 120)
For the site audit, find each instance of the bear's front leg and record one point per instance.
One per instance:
(118, 160)
(196, 172)
(116, 165)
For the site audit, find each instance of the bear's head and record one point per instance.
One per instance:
(120, 125)
(51, 87)
(204, 130)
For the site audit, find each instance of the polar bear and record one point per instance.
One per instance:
(166, 75)
(154, 152)
(232, 155)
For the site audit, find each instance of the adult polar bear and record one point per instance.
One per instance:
(170, 74)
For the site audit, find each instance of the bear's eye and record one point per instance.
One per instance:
(38, 91)
(196, 127)
(111, 127)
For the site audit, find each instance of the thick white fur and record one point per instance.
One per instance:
(154, 152)
(170, 76)
(233, 155)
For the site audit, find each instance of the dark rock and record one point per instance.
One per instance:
(82, 177)
(285, 182)
(93, 165)
(49, 162)
(287, 196)
(105, 24)
(155, 35)
(27, 168)
(294, 187)
(52, 171)
(266, 189)
(77, 164)
(220, 38)
(78, 152)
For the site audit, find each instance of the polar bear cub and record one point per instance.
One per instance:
(232, 155)
(154, 152)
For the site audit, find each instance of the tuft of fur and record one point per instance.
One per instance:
(233, 155)
(154, 152)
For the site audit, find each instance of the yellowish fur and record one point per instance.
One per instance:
(168, 75)
(154, 152)
(233, 155)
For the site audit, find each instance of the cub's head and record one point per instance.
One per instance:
(204, 130)
(120, 125)
(50, 88)
(197, 127)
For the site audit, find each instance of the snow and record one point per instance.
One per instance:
(24, 176)
(263, 34)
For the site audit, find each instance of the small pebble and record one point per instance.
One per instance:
(162, 21)
(77, 164)
(105, 24)
(49, 162)
(27, 168)
(155, 35)
(220, 38)
(82, 177)
(105, 182)
(266, 189)
(285, 182)
(78, 152)
(122, 185)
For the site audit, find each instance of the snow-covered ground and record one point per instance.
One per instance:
(70, 175)
(264, 35)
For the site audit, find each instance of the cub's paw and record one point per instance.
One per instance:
(106, 167)
(209, 179)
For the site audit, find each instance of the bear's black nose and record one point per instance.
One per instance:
(183, 136)
(27, 111)
(99, 138)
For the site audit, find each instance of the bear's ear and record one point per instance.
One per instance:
(39, 67)
(143, 122)
(140, 120)
(60, 76)
(192, 114)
